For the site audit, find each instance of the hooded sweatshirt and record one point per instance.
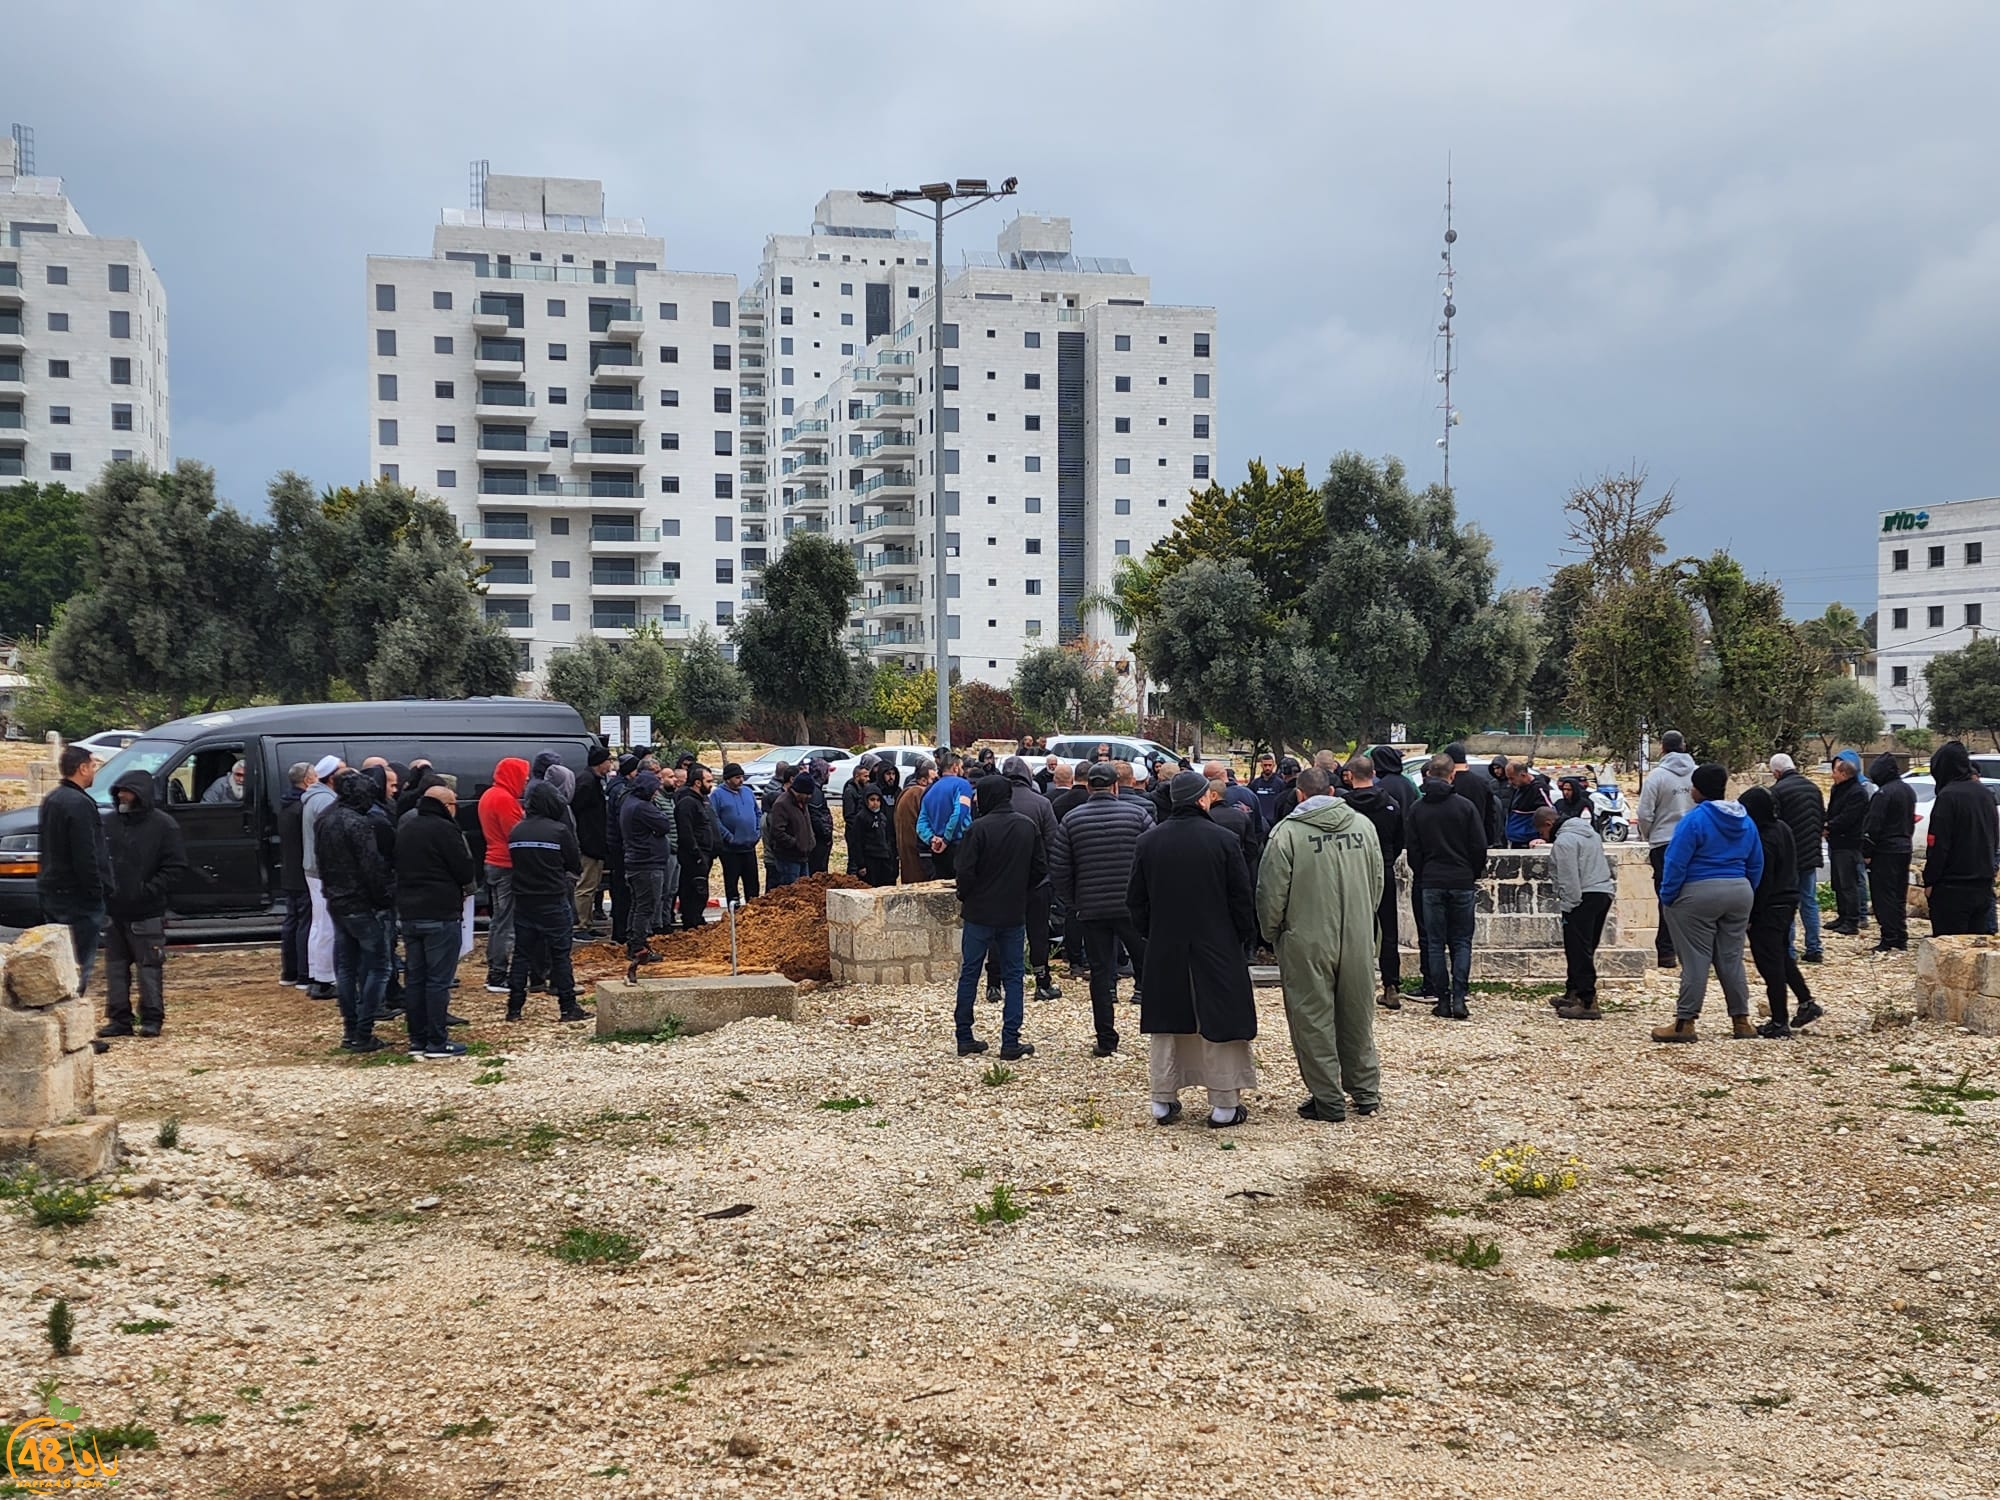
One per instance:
(946, 810)
(500, 809)
(316, 802)
(646, 830)
(1892, 812)
(1578, 865)
(1846, 809)
(1376, 802)
(1960, 848)
(1777, 894)
(147, 857)
(356, 876)
(1392, 783)
(738, 816)
(1445, 839)
(542, 847)
(1712, 841)
(1320, 884)
(1666, 797)
(1000, 860)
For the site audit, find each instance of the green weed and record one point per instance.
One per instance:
(1585, 1245)
(63, 1206)
(113, 1440)
(846, 1103)
(1474, 1255)
(1668, 1234)
(1603, 1309)
(204, 1419)
(1909, 1383)
(595, 1247)
(146, 1325)
(1368, 1393)
(1002, 1208)
(249, 1393)
(61, 1327)
(93, 1262)
(997, 1074)
(1770, 1402)
(168, 1136)
(480, 1427)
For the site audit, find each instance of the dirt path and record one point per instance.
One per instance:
(354, 1262)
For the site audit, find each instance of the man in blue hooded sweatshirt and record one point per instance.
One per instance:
(1707, 886)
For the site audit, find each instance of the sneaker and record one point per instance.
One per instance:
(319, 991)
(499, 987)
(1676, 1030)
(1812, 958)
(290, 981)
(1015, 1051)
(573, 1012)
(1775, 1031)
(303, 984)
(1810, 1012)
(1105, 1049)
(1389, 1000)
(452, 1020)
(1045, 987)
(971, 1048)
(1234, 1118)
(444, 1050)
(364, 1044)
(1742, 1029)
(112, 1029)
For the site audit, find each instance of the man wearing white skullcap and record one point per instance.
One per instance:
(319, 941)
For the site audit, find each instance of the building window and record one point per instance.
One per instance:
(385, 432)
(1899, 677)
(1201, 466)
(58, 369)
(559, 569)
(58, 322)
(1972, 614)
(385, 341)
(1122, 343)
(559, 611)
(1034, 545)
(121, 373)
(720, 356)
(121, 418)
(58, 275)
(121, 455)
(724, 532)
(847, 320)
(1937, 557)
(59, 416)
(1121, 507)
(1201, 346)
(559, 395)
(391, 474)
(1034, 424)
(559, 351)
(725, 570)
(725, 614)
(1121, 548)
(1899, 560)
(59, 461)
(1122, 384)
(723, 444)
(1934, 616)
(670, 442)
(121, 324)
(558, 308)
(722, 399)
(119, 279)
(447, 479)
(1031, 381)
(1200, 386)
(1033, 504)
(1899, 619)
(1032, 463)
(441, 301)
(385, 297)
(443, 390)
(447, 434)
(1031, 340)
(441, 343)
(669, 355)
(718, 313)
(725, 487)
(785, 345)
(1121, 466)
(1975, 554)
(670, 484)
(385, 388)
(670, 398)
(1201, 427)
(670, 312)
(1034, 585)
(784, 317)
(1121, 424)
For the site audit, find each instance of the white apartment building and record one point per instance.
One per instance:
(1081, 414)
(576, 404)
(83, 340)
(1934, 582)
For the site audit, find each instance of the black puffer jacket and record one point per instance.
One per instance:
(1379, 807)
(1962, 830)
(1090, 857)
(434, 866)
(292, 841)
(591, 812)
(147, 856)
(1777, 895)
(700, 835)
(1804, 811)
(1892, 812)
(354, 875)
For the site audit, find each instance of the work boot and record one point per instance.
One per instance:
(1577, 1009)
(1566, 998)
(1045, 986)
(1677, 1030)
(1742, 1028)
(1389, 999)
(571, 1011)
(994, 994)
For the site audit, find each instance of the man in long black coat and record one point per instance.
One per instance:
(1191, 895)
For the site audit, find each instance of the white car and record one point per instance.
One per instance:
(1926, 792)
(906, 758)
(108, 742)
(757, 773)
(1075, 747)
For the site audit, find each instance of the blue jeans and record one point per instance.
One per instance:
(1809, 908)
(361, 965)
(1448, 940)
(783, 873)
(86, 930)
(1008, 943)
(431, 951)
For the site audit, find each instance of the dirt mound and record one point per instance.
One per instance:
(782, 932)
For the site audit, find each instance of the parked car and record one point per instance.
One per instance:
(1926, 790)
(108, 742)
(906, 758)
(840, 764)
(1123, 747)
(232, 847)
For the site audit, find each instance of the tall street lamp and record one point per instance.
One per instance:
(968, 192)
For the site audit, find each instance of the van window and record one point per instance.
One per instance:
(208, 768)
(141, 755)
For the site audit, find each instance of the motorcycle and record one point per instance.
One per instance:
(1607, 815)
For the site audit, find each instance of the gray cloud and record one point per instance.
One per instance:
(1751, 246)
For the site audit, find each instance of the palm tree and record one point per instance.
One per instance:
(1133, 581)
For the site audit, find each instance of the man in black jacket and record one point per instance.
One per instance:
(543, 849)
(434, 871)
(1885, 843)
(1032, 805)
(359, 886)
(293, 968)
(1090, 869)
(852, 796)
(646, 837)
(1399, 789)
(1000, 861)
(147, 861)
(1477, 787)
(74, 872)
(1959, 863)
(1446, 846)
(1846, 811)
(1804, 811)
(1379, 804)
(700, 841)
(821, 814)
(589, 809)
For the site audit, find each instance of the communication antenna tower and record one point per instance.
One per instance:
(1448, 359)
(24, 150)
(479, 169)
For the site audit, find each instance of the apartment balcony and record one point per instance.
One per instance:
(894, 560)
(891, 411)
(875, 378)
(499, 536)
(518, 621)
(753, 567)
(906, 639)
(613, 409)
(10, 286)
(752, 507)
(812, 497)
(901, 363)
(804, 528)
(514, 585)
(616, 623)
(806, 434)
(889, 448)
(752, 448)
(526, 452)
(631, 540)
(634, 580)
(890, 484)
(807, 465)
(506, 359)
(623, 322)
(751, 398)
(504, 403)
(755, 477)
(13, 378)
(886, 602)
(492, 320)
(609, 450)
(890, 525)
(610, 368)
(13, 333)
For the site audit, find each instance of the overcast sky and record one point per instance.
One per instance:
(1754, 248)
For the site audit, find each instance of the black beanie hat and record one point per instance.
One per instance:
(1712, 781)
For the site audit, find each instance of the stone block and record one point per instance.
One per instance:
(29, 1039)
(78, 1151)
(78, 1021)
(41, 967)
(903, 942)
(1958, 982)
(36, 1097)
(703, 1003)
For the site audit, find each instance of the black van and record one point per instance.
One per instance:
(232, 847)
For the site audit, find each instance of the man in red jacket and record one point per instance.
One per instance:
(499, 811)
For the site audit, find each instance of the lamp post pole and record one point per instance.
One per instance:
(937, 194)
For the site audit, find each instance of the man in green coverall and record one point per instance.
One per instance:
(1317, 893)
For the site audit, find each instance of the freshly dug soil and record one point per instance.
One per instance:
(782, 932)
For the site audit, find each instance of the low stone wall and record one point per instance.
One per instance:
(1958, 982)
(698, 1004)
(48, 1097)
(898, 934)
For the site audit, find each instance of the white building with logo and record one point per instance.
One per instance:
(1937, 589)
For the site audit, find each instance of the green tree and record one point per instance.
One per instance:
(177, 599)
(1838, 636)
(642, 682)
(793, 647)
(48, 703)
(44, 548)
(1276, 528)
(1634, 662)
(1756, 678)
(581, 676)
(1562, 605)
(1845, 713)
(1965, 689)
(903, 699)
(1059, 688)
(709, 691)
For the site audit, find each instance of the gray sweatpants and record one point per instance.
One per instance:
(1709, 919)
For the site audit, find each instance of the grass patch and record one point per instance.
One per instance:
(1001, 1208)
(609, 1473)
(975, 1173)
(250, 1393)
(595, 1247)
(541, 1136)
(93, 1262)
(1603, 1309)
(845, 1104)
(1668, 1234)
(222, 1281)
(479, 1427)
(1474, 1255)
(481, 1049)
(671, 1029)
(63, 1206)
(110, 1441)
(168, 1136)
(997, 1074)
(1368, 1393)
(204, 1419)
(1909, 1383)
(1935, 1104)
(1721, 1093)
(1585, 1245)
(1752, 1284)
(60, 1328)
(1089, 1116)
(1960, 1088)
(146, 1325)
(491, 1076)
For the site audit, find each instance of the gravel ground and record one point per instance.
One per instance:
(353, 1264)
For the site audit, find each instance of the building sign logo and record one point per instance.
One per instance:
(1906, 520)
